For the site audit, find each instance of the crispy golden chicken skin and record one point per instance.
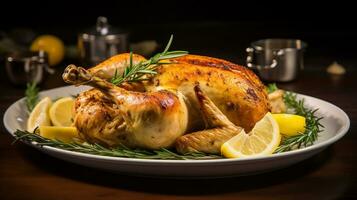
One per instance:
(235, 90)
(231, 91)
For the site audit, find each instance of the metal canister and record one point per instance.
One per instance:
(101, 42)
(276, 59)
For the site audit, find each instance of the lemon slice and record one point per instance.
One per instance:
(261, 141)
(61, 112)
(64, 134)
(289, 124)
(39, 115)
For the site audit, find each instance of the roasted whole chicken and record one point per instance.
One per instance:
(195, 103)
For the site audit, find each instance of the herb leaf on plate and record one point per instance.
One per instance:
(312, 129)
(31, 95)
(122, 151)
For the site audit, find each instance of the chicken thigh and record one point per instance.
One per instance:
(113, 116)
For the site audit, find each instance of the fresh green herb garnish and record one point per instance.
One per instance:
(122, 151)
(138, 71)
(271, 88)
(31, 95)
(312, 129)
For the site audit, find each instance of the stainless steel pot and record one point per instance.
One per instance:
(25, 67)
(101, 42)
(276, 59)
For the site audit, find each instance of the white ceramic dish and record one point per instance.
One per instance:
(335, 120)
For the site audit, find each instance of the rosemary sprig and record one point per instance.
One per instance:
(121, 151)
(31, 95)
(312, 129)
(137, 72)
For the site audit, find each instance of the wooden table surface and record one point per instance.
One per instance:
(25, 173)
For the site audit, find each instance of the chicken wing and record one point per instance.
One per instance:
(219, 129)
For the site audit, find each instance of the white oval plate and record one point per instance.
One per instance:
(335, 120)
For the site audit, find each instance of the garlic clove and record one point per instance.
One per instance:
(336, 69)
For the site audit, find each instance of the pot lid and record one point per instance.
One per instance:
(103, 28)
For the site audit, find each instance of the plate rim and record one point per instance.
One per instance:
(339, 134)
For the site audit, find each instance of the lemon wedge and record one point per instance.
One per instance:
(263, 139)
(39, 115)
(64, 134)
(61, 112)
(289, 124)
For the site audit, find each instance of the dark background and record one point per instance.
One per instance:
(216, 28)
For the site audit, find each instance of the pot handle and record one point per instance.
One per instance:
(44, 63)
(250, 59)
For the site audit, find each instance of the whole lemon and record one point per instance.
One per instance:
(52, 45)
